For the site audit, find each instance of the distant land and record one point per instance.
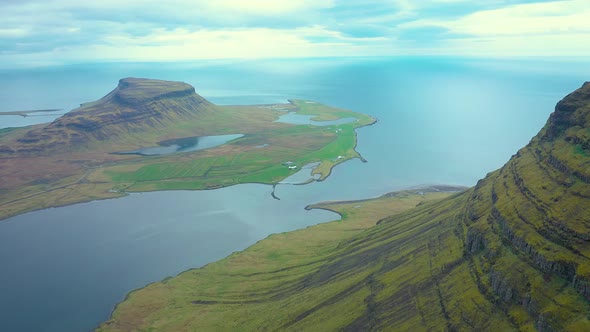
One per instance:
(149, 135)
(24, 114)
(511, 253)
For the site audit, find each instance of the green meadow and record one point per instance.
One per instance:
(259, 156)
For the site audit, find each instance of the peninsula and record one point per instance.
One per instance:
(511, 253)
(24, 114)
(149, 135)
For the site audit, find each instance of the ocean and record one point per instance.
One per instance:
(440, 121)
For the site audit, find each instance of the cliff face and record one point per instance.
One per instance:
(511, 253)
(537, 208)
(523, 232)
(571, 113)
(134, 105)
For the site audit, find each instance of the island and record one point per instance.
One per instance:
(149, 135)
(510, 253)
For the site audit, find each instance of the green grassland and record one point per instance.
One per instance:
(257, 157)
(90, 171)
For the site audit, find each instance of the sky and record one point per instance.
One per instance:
(44, 32)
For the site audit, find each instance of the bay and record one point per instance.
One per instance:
(441, 121)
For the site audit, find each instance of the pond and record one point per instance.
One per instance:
(185, 144)
(304, 175)
(302, 119)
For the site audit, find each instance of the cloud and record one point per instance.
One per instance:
(549, 28)
(13, 33)
(171, 11)
(182, 44)
(267, 7)
(536, 18)
(62, 31)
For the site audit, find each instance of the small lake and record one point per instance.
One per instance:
(303, 119)
(303, 175)
(186, 144)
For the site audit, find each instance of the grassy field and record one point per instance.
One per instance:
(257, 157)
(89, 171)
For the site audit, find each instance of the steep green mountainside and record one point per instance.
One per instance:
(512, 253)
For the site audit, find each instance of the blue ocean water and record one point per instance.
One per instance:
(441, 121)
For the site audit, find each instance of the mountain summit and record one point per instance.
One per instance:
(511, 253)
(135, 105)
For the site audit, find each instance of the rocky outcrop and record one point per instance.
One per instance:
(565, 115)
(475, 240)
(503, 288)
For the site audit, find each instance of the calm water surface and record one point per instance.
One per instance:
(185, 144)
(440, 121)
(294, 118)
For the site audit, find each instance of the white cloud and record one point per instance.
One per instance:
(13, 32)
(57, 31)
(535, 18)
(183, 44)
(267, 7)
(181, 8)
(546, 29)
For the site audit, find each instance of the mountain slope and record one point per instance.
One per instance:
(512, 253)
(135, 105)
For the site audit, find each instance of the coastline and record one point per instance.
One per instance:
(104, 195)
(398, 196)
(397, 193)
(25, 114)
(375, 120)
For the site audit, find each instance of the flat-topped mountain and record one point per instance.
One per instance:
(135, 105)
(135, 91)
(511, 253)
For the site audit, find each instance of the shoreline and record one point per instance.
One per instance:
(25, 114)
(412, 190)
(375, 120)
(123, 193)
